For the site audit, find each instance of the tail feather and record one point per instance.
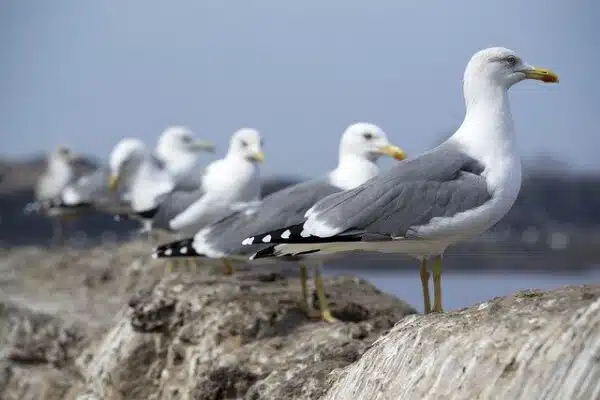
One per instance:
(179, 248)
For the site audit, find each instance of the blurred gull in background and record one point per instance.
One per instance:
(177, 151)
(58, 174)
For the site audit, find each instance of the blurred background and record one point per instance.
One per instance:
(87, 74)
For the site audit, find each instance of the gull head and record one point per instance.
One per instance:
(247, 143)
(124, 159)
(63, 154)
(178, 140)
(368, 141)
(502, 67)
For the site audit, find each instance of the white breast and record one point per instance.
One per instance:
(228, 181)
(496, 150)
(147, 186)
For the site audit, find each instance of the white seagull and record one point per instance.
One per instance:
(423, 205)
(58, 174)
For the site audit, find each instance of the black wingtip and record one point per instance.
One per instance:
(148, 214)
(264, 253)
(295, 234)
(290, 234)
(178, 249)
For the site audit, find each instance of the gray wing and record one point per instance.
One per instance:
(191, 181)
(440, 183)
(93, 189)
(282, 208)
(83, 167)
(93, 184)
(172, 204)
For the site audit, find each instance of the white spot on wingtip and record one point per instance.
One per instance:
(248, 241)
(286, 234)
(304, 233)
(183, 250)
(155, 255)
(168, 252)
(266, 239)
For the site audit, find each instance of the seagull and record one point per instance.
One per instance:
(142, 176)
(422, 205)
(225, 184)
(360, 147)
(58, 174)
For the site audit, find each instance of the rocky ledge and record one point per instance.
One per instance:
(110, 323)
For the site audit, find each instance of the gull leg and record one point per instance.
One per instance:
(304, 285)
(324, 308)
(228, 267)
(173, 264)
(425, 286)
(170, 266)
(436, 268)
(195, 264)
(57, 231)
(306, 303)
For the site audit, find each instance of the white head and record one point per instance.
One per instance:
(499, 68)
(367, 141)
(180, 139)
(63, 155)
(125, 158)
(246, 143)
(178, 149)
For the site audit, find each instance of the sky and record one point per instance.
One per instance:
(88, 73)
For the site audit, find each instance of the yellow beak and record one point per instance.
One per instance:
(258, 156)
(393, 151)
(541, 74)
(113, 181)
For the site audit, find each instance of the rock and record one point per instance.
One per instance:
(110, 323)
(534, 345)
(221, 337)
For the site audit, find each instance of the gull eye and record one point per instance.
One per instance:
(243, 143)
(512, 60)
(368, 136)
(186, 139)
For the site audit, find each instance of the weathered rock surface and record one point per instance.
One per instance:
(534, 345)
(109, 323)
